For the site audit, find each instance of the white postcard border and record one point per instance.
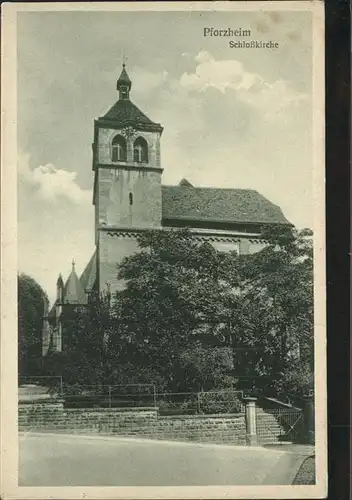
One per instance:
(9, 434)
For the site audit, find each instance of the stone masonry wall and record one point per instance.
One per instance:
(137, 422)
(112, 249)
(117, 209)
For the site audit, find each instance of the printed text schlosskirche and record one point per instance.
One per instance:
(240, 33)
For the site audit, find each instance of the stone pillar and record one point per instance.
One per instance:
(251, 422)
(309, 419)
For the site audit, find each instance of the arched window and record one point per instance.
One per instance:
(131, 198)
(140, 150)
(119, 149)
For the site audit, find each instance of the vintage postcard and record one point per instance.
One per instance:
(163, 251)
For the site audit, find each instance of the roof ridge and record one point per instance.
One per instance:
(212, 188)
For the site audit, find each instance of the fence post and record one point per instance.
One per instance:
(308, 419)
(251, 423)
(109, 396)
(61, 388)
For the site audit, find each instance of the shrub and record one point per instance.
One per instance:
(225, 401)
(295, 382)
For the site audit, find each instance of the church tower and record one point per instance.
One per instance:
(127, 181)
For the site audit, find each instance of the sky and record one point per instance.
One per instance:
(234, 118)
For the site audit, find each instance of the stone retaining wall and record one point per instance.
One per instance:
(138, 422)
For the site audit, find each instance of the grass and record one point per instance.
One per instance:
(306, 473)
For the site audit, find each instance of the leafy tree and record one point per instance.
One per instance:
(182, 297)
(191, 318)
(32, 304)
(174, 295)
(83, 357)
(276, 317)
(206, 367)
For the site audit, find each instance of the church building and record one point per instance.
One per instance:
(129, 197)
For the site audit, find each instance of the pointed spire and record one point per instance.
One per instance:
(60, 282)
(74, 292)
(59, 288)
(124, 83)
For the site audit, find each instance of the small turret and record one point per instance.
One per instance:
(59, 289)
(124, 84)
(46, 328)
(74, 292)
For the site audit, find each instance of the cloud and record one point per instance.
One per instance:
(55, 222)
(271, 98)
(52, 183)
(145, 81)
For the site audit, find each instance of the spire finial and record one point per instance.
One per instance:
(73, 264)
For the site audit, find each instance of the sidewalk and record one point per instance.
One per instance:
(306, 473)
(298, 449)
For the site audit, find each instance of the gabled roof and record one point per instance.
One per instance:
(185, 183)
(185, 202)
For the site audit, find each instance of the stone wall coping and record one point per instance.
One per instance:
(202, 416)
(281, 404)
(38, 401)
(114, 410)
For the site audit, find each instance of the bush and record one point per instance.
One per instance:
(169, 407)
(225, 401)
(295, 382)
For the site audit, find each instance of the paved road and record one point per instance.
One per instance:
(63, 460)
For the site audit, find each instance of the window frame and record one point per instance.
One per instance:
(118, 149)
(140, 146)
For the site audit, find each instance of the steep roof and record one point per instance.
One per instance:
(75, 288)
(124, 111)
(88, 276)
(74, 292)
(60, 282)
(185, 202)
(124, 79)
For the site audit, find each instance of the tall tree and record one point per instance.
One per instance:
(192, 318)
(276, 316)
(174, 295)
(83, 359)
(180, 292)
(32, 304)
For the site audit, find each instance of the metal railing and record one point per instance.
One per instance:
(283, 424)
(134, 396)
(123, 395)
(222, 401)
